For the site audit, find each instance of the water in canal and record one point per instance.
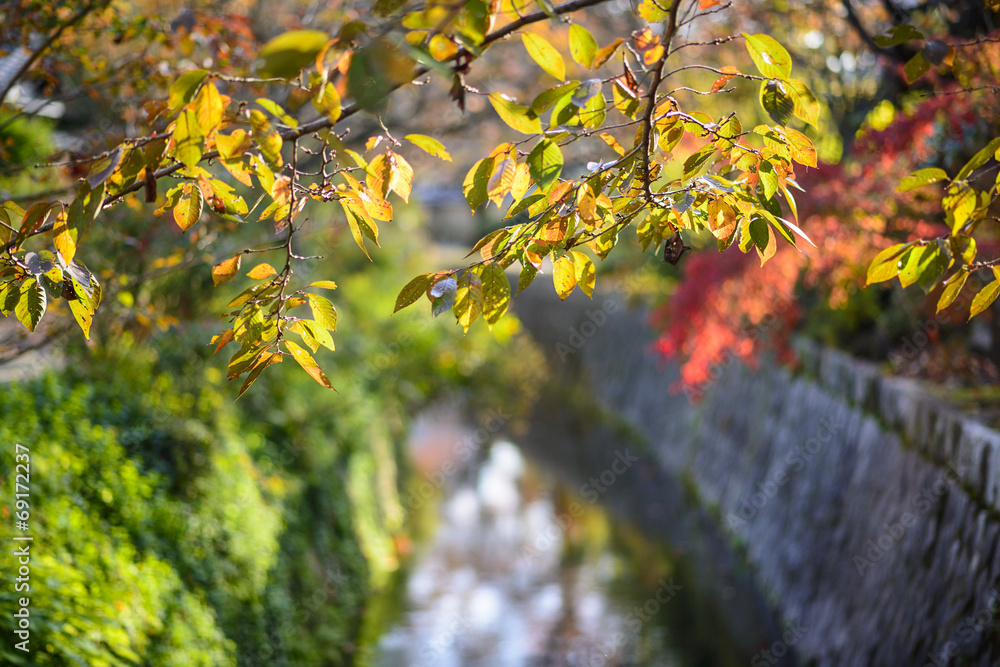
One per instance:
(522, 566)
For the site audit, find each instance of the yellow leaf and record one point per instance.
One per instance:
(188, 139)
(401, 177)
(327, 102)
(430, 145)
(266, 137)
(585, 273)
(546, 55)
(564, 276)
(262, 271)
(64, 237)
(208, 108)
(187, 211)
(519, 117)
(308, 364)
(226, 270)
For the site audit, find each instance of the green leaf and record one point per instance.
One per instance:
(546, 55)
(777, 102)
(475, 186)
(265, 360)
(545, 163)
(806, 106)
(984, 299)
(933, 266)
(582, 45)
(323, 311)
(952, 287)
(83, 313)
(898, 34)
(289, 52)
(323, 284)
(183, 89)
(188, 138)
(959, 205)
(914, 263)
(429, 145)
(412, 291)
(31, 304)
(915, 68)
(308, 364)
(920, 178)
(468, 299)
(546, 99)
(768, 179)
(525, 278)
(979, 159)
(769, 56)
(519, 117)
(697, 160)
(496, 293)
(586, 274)
(886, 264)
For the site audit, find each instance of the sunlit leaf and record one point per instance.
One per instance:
(323, 311)
(564, 276)
(468, 299)
(308, 364)
(953, 286)
(920, 178)
(520, 118)
(984, 299)
(546, 55)
(429, 145)
(412, 291)
(582, 45)
(188, 209)
(262, 271)
(496, 293)
(31, 304)
(226, 270)
(770, 57)
(585, 273)
(183, 89)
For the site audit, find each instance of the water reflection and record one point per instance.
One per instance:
(521, 572)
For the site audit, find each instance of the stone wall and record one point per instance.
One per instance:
(867, 509)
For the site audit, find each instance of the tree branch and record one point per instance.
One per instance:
(647, 120)
(322, 123)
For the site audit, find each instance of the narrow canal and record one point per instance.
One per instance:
(527, 563)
